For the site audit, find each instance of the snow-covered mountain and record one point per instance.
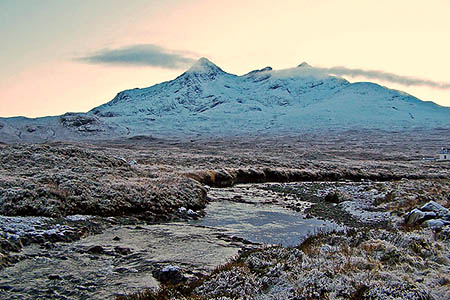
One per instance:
(207, 101)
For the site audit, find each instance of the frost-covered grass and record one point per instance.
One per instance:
(377, 259)
(61, 179)
(58, 180)
(391, 261)
(359, 264)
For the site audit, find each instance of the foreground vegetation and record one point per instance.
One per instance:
(153, 180)
(366, 264)
(390, 260)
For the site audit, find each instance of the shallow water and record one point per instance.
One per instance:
(71, 271)
(262, 223)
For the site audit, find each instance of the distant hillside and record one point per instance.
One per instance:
(207, 101)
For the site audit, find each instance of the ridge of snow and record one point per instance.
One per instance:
(266, 69)
(205, 100)
(204, 65)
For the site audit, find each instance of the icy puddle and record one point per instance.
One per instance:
(262, 223)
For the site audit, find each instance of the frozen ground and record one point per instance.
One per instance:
(365, 182)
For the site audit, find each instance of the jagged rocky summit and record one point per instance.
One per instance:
(207, 101)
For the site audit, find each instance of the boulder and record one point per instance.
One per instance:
(169, 274)
(436, 223)
(435, 207)
(95, 250)
(416, 216)
(336, 197)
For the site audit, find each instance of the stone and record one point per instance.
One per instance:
(436, 223)
(121, 270)
(169, 274)
(122, 250)
(96, 250)
(435, 207)
(223, 178)
(335, 197)
(191, 213)
(48, 245)
(416, 216)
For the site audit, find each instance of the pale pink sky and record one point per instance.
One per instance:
(43, 41)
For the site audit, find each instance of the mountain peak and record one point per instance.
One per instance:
(304, 65)
(204, 65)
(266, 69)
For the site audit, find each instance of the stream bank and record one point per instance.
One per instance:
(94, 257)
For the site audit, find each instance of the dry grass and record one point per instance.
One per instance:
(362, 264)
(58, 180)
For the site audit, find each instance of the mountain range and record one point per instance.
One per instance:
(207, 101)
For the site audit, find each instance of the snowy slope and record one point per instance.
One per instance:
(205, 100)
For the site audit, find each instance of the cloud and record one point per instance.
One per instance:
(386, 76)
(141, 55)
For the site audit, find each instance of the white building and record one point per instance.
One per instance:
(444, 154)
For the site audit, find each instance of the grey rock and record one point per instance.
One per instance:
(171, 269)
(95, 250)
(436, 223)
(81, 122)
(121, 270)
(433, 206)
(169, 274)
(417, 216)
(122, 250)
(191, 213)
(336, 197)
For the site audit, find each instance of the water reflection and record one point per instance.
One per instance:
(266, 224)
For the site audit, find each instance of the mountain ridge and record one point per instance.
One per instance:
(205, 100)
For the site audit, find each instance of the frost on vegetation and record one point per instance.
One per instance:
(369, 264)
(236, 282)
(60, 180)
(75, 218)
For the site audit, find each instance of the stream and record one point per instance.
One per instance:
(262, 223)
(123, 258)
